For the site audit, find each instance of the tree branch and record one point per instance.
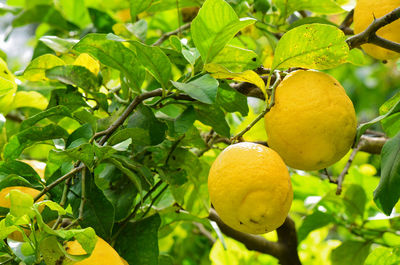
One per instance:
(369, 34)
(285, 250)
(168, 34)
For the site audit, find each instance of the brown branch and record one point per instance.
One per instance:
(348, 20)
(285, 250)
(372, 145)
(369, 34)
(168, 34)
(58, 181)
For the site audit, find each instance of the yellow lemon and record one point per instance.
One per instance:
(250, 188)
(103, 253)
(365, 13)
(313, 123)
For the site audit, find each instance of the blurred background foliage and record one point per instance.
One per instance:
(331, 229)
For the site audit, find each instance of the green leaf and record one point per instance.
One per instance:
(310, 20)
(8, 87)
(138, 7)
(25, 138)
(262, 5)
(231, 100)
(117, 187)
(74, 11)
(58, 44)
(74, 75)
(387, 193)
(20, 169)
(312, 222)
(354, 201)
(30, 99)
(83, 152)
(213, 116)
(357, 57)
(315, 46)
(114, 54)
(391, 124)
(350, 252)
(237, 59)
(72, 99)
(101, 20)
(155, 61)
(36, 70)
(138, 242)
(215, 25)
(43, 14)
(183, 122)
(98, 212)
(287, 7)
(395, 107)
(60, 111)
(383, 256)
(20, 203)
(138, 135)
(203, 89)
(144, 118)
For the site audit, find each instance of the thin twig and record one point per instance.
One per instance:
(63, 201)
(168, 34)
(154, 201)
(329, 177)
(265, 111)
(346, 168)
(369, 34)
(83, 194)
(58, 181)
(205, 232)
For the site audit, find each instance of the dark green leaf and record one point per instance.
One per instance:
(213, 116)
(144, 118)
(83, 152)
(101, 20)
(203, 89)
(98, 212)
(60, 111)
(138, 135)
(183, 122)
(387, 193)
(21, 169)
(25, 138)
(69, 98)
(155, 61)
(354, 201)
(262, 5)
(312, 222)
(231, 100)
(138, 242)
(350, 252)
(391, 124)
(74, 75)
(84, 132)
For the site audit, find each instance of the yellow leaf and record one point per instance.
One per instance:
(89, 62)
(249, 76)
(31, 99)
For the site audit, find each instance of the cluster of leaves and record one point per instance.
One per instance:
(143, 114)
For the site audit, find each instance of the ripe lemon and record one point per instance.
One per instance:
(103, 253)
(250, 188)
(365, 13)
(313, 123)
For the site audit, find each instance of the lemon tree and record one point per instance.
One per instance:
(199, 132)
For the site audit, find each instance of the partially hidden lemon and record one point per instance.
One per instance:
(250, 188)
(103, 253)
(365, 13)
(313, 123)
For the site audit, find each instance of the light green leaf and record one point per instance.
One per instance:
(287, 7)
(58, 44)
(215, 25)
(36, 70)
(350, 252)
(30, 99)
(138, 7)
(387, 193)
(21, 203)
(237, 59)
(383, 256)
(203, 89)
(315, 46)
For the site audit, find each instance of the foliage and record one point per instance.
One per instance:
(128, 103)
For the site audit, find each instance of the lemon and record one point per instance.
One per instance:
(250, 188)
(365, 13)
(103, 253)
(313, 123)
